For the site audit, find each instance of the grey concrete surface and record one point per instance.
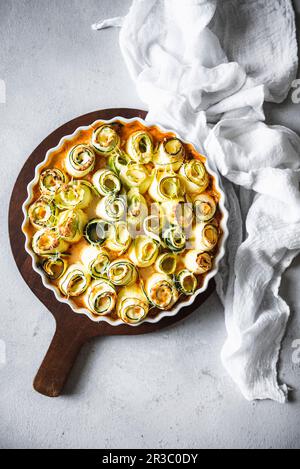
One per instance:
(166, 390)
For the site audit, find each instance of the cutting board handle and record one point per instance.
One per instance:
(59, 359)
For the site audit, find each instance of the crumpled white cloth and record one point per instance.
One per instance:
(204, 68)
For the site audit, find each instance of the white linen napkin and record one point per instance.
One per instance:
(204, 68)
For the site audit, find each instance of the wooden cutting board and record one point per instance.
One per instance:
(72, 330)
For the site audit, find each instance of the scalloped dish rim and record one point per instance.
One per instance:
(189, 299)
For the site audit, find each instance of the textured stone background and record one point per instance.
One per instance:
(166, 390)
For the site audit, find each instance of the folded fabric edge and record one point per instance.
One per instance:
(116, 22)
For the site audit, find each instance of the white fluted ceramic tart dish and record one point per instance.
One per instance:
(125, 221)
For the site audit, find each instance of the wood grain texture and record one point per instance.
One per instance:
(72, 330)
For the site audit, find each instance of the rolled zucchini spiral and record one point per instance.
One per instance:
(143, 251)
(121, 272)
(80, 161)
(47, 241)
(75, 281)
(118, 161)
(166, 263)
(139, 147)
(119, 238)
(204, 207)
(112, 208)
(205, 236)
(70, 225)
(106, 182)
(95, 260)
(75, 194)
(174, 238)
(166, 186)
(170, 154)
(135, 176)
(161, 291)
(54, 267)
(42, 213)
(186, 282)
(195, 176)
(197, 262)
(97, 231)
(51, 180)
(105, 140)
(132, 305)
(101, 297)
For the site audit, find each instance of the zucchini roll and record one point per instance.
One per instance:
(80, 161)
(175, 213)
(166, 186)
(161, 291)
(197, 262)
(106, 182)
(139, 147)
(105, 140)
(95, 260)
(143, 251)
(54, 267)
(174, 238)
(152, 227)
(42, 213)
(204, 207)
(118, 161)
(170, 154)
(137, 209)
(75, 281)
(205, 236)
(96, 231)
(101, 297)
(132, 304)
(112, 208)
(166, 263)
(51, 180)
(47, 241)
(135, 176)
(195, 176)
(75, 194)
(186, 282)
(121, 272)
(119, 238)
(70, 224)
